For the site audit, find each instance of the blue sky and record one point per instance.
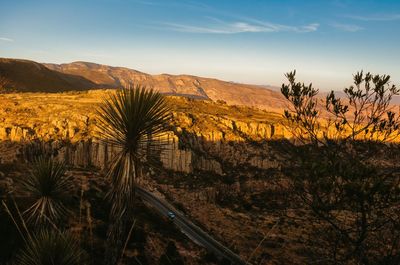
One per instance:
(252, 41)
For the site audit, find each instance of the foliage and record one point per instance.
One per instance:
(50, 248)
(344, 172)
(48, 190)
(365, 114)
(133, 121)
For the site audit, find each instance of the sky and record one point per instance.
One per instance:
(246, 41)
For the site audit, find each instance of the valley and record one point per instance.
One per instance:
(213, 168)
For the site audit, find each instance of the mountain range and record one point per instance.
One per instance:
(30, 76)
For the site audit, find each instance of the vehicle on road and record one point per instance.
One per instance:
(171, 215)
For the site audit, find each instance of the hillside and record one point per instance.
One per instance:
(29, 76)
(223, 166)
(184, 85)
(210, 144)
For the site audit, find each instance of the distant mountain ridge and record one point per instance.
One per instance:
(29, 76)
(113, 77)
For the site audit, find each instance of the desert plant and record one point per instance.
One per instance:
(364, 113)
(130, 120)
(48, 247)
(48, 190)
(344, 173)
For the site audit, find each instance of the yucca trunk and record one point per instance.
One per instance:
(129, 120)
(122, 205)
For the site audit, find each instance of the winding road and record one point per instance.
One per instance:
(194, 232)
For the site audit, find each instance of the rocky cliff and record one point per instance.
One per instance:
(203, 135)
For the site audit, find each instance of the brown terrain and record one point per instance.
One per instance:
(214, 169)
(29, 76)
(221, 166)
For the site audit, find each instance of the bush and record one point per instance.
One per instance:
(49, 248)
(344, 173)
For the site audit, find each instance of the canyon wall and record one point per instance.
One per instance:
(214, 145)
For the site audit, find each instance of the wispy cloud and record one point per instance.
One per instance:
(6, 39)
(346, 27)
(222, 27)
(173, 3)
(376, 17)
(144, 2)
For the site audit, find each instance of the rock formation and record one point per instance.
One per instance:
(198, 139)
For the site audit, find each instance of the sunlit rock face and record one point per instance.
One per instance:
(186, 153)
(203, 136)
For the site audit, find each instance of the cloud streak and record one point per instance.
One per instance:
(376, 17)
(172, 3)
(6, 39)
(254, 26)
(346, 27)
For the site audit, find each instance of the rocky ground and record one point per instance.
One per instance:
(221, 168)
(88, 222)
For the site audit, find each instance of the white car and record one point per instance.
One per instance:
(171, 215)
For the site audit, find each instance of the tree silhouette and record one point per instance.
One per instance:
(344, 172)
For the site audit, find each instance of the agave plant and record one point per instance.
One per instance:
(49, 247)
(130, 120)
(48, 189)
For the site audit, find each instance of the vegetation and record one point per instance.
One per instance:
(343, 177)
(49, 247)
(344, 173)
(132, 120)
(48, 190)
(37, 231)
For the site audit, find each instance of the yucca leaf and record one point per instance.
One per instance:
(47, 189)
(131, 119)
(51, 248)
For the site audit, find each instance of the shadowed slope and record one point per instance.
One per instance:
(29, 76)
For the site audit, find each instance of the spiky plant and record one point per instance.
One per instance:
(48, 190)
(130, 120)
(49, 247)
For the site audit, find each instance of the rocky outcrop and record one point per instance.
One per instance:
(204, 136)
(184, 152)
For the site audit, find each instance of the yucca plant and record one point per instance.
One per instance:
(130, 120)
(49, 247)
(47, 189)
